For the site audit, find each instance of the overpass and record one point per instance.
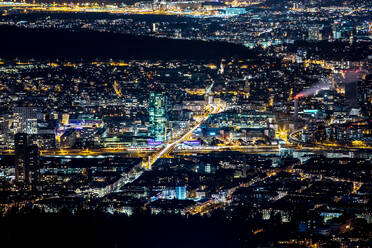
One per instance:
(139, 169)
(167, 148)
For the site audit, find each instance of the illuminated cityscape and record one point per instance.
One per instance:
(186, 123)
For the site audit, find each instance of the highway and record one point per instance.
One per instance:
(170, 146)
(145, 152)
(138, 170)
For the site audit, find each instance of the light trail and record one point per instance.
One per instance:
(169, 147)
(139, 169)
(144, 152)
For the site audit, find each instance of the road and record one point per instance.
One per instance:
(145, 152)
(138, 170)
(170, 146)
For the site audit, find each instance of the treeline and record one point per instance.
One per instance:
(243, 227)
(336, 50)
(31, 227)
(62, 44)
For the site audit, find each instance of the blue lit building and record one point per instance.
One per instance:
(235, 11)
(181, 192)
(157, 116)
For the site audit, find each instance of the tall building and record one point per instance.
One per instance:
(157, 116)
(351, 93)
(336, 31)
(4, 130)
(31, 126)
(20, 143)
(181, 192)
(28, 117)
(27, 159)
(33, 163)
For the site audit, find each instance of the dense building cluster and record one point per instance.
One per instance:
(280, 142)
(255, 26)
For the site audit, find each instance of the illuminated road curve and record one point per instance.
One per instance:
(170, 146)
(139, 169)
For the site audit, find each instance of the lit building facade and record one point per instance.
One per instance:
(27, 160)
(157, 116)
(21, 172)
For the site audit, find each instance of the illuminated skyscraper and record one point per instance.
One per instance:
(32, 163)
(181, 192)
(20, 143)
(27, 159)
(157, 116)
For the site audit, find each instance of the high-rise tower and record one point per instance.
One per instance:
(20, 143)
(27, 159)
(33, 163)
(157, 116)
(351, 93)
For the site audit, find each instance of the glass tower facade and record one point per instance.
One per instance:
(181, 192)
(157, 116)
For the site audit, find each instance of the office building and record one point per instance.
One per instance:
(181, 192)
(33, 163)
(20, 143)
(157, 116)
(31, 126)
(336, 31)
(351, 93)
(27, 159)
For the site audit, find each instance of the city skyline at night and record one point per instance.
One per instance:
(186, 123)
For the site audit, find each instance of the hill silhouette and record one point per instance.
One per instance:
(53, 43)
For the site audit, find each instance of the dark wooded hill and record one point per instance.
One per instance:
(53, 43)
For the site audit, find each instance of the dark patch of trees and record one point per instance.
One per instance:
(62, 44)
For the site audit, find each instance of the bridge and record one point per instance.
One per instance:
(139, 169)
(167, 148)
